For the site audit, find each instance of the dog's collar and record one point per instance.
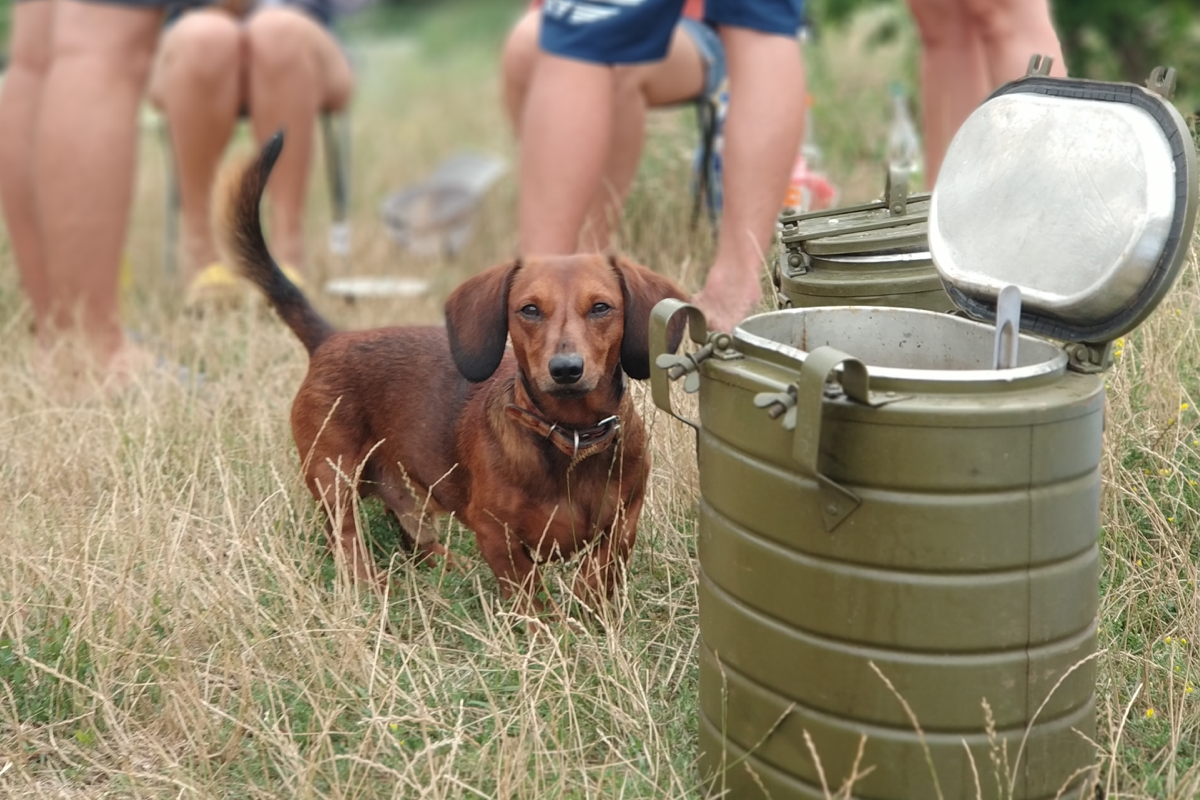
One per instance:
(575, 443)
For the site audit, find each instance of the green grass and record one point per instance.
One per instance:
(171, 623)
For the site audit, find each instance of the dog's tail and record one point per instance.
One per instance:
(241, 230)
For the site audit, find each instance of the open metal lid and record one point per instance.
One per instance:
(1082, 194)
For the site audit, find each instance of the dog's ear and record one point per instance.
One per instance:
(643, 289)
(477, 321)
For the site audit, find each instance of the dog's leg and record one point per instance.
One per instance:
(510, 562)
(603, 566)
(425, 541)
(332, 484)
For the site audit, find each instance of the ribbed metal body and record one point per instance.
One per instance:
(832, 282)
(967, 572)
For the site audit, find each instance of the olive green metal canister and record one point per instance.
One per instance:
(939, 526)
(872, 254)
(900, 508)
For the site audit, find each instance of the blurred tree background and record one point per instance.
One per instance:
(1102, 39)
(5, 17)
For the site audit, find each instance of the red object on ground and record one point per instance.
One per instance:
(809, 190)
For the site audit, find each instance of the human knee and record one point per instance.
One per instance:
(520, 53)
(1000, 19)
(629, 82)
(202, 50)
(29, 49)
(940, 22)
(282, 41)
(118, 46)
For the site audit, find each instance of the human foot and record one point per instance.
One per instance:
(727, 297)
(74, 374)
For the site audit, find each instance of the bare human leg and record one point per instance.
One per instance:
(296, 71)
(565, 139)
(86, 138)
(762, 134)
(1012, 31)
(676, 79)
(953, 74)
(29, 54)
(197, 83)
(516, 66)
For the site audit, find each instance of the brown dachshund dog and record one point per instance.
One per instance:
(537, 449)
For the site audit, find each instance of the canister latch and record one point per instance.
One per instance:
(1089, 358)
(1162, 82)
(1039, 65)
(670, 367)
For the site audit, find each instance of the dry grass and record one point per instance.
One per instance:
(171, 625)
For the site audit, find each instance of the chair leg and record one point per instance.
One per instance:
(172, 207)
(706, 121)
(335, 130)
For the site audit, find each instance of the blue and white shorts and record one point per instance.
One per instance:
(637, 31)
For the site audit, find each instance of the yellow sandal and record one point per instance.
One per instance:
(216, 285)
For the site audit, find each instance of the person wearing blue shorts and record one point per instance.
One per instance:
(568, 126)
(693, 68)
(68, 141)
(278, 62)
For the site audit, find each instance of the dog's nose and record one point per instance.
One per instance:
(566, 368)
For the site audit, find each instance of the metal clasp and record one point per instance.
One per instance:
(1039, 65)
(1162, 82)
(1089, 358)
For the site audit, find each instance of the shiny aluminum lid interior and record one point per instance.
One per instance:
(1081, 194)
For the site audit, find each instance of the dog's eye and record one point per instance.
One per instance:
(530, 311)
(600, 309)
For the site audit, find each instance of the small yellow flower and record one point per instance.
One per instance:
(1183, 641)
(1170, 519)
(1183, 407)
(1195, 441)
(1164, 472)
(1168, 641)
(1187, 689)
(1139, 562)
(1149, 713)
(393, 727)
(1193, 483)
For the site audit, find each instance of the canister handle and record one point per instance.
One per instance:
(666, 363)
(837, 502)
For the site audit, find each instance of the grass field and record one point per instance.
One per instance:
(171, 625)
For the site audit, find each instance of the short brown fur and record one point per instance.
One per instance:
(423, 417)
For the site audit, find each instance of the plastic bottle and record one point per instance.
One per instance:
(903, 144)
(809, 189)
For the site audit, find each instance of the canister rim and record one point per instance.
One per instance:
(852, 328)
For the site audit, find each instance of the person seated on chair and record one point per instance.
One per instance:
(275, 61)
(693, 68)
